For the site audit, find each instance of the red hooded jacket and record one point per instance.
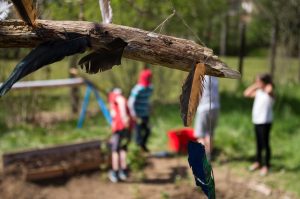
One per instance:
(119, 112)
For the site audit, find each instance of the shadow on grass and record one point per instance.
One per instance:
(63, 180)
(278, 166)
(179, 171)
(281, 167)
(233, 102)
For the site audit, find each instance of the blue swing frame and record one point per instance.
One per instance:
(89, 89)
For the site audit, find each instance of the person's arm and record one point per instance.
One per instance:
(251, 91)
(131, 102)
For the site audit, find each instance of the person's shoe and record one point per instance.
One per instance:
(123, 175)
(264, 171)
(254, 166)
(145, 149)
(113, 176)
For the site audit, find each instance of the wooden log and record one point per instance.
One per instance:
(142, 45)
(64, 160)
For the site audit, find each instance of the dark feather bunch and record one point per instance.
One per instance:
(46, 53)
(105, 58)
(53, 51)
(202, 169)
(26, 11)
(191, 93)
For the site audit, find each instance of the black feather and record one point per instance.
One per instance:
(46, 53)
(104, 59)
(202, 169)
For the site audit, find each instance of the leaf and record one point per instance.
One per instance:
(104, 59)
(201, 169)
(26, 10)
(46, 53)
(191, 93)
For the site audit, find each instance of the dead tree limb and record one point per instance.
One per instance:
(142, 45)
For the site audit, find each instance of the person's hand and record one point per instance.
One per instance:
(251, 90)
(137, 120)
(269, 89)
(127, 125)
(74, 71)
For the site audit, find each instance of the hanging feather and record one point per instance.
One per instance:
(46, 53)
(202, 169)
(104, 59)
(4, 9)
(106, 11)
(26, 10)
(191, 93)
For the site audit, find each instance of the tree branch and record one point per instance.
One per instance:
(142, 45)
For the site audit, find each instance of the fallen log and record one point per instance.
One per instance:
(58, 161)
(142, 45)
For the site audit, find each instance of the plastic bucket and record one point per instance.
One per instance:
(179, 138)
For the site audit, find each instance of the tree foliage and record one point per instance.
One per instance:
(203, 18)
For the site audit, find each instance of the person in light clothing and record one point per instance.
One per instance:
(207, 114)
(262, 117)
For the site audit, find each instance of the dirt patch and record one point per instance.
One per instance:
(161, 179)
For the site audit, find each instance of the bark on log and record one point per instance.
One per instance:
(143, 46)
(63, 160)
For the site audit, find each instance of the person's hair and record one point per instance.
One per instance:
(116, 89)
(146, 66)
(266, 78)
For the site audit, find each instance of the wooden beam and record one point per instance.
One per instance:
(72, 82)
(142, 45)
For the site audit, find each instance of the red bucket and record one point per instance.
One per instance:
(179, 138)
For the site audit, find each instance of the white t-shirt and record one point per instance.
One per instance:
(262, 108)
(210, 95)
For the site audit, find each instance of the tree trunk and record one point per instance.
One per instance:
(223, 37)
(243, 27)
(143, 46)
(74, 92)
(299, 58)
(274, 39)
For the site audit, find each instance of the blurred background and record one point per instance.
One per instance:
(252, 36)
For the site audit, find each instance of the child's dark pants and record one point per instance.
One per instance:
(262, 132)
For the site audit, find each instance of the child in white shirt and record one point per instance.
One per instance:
(262, 117)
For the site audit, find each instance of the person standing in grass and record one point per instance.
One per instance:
(121, 134)
(207, 114)
(262, 116)
(139, 105)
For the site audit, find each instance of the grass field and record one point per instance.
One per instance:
(234, 135)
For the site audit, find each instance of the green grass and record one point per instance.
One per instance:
(30, 136)
(234, 135)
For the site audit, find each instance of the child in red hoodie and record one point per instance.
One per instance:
(120, 138)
